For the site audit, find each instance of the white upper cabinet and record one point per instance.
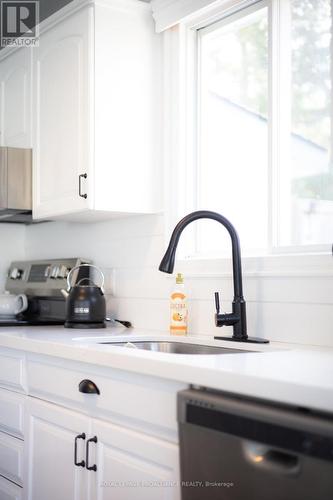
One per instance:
(15, 98)
(62, 119)
(96, 122)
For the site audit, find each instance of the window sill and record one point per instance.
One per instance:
(273, 266)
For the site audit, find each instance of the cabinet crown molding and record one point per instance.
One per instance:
(168, 13)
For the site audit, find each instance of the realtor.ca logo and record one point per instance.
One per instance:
(19, 23)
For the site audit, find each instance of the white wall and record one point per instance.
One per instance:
(280, 307)
(12, 247)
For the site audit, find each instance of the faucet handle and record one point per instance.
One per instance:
(217, 302)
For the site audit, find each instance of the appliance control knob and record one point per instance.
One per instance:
(54, 272)
(63, 272)
(15, 273)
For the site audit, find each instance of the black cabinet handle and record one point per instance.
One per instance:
(82, 176)
(82, 463)
(88, 387)
(92, 467)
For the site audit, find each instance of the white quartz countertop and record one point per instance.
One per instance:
(286, 373)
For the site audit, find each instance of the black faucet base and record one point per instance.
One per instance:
(252, 340)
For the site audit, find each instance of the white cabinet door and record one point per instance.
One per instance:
(11, 458)
(63, 67)
(9, 490)
(15, 78)
(132, 466)
(51, 473)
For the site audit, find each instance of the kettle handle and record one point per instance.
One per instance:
(69, 285)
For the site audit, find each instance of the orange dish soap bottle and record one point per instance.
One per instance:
(178, 308)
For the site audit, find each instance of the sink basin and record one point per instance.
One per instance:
(176, 347)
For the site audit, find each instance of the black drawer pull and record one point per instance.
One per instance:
(92, 467)
(82, 176)
(88, 387)
(82, 463)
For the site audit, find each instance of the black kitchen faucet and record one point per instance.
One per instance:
(236, 319)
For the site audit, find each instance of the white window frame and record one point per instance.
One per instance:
(180, 156)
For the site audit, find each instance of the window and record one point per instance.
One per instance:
(306, 192)
(263, 127)
(233, 127)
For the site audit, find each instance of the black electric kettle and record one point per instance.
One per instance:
(85, 302)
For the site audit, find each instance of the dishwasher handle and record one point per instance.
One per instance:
(272, 459)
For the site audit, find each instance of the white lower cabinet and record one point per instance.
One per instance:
(9, 490)
(49, 460)
(132, 466)
(11, 458)
(12, 413)
(119, 444)
(119, 463)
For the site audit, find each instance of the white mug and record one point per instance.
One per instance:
(11, 305)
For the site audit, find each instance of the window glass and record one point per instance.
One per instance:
(232, 136)
(306, 187)
(264, 143)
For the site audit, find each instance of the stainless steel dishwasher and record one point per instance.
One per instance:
(238, 449)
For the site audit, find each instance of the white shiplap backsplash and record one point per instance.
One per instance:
(12, 247)
(284, 308)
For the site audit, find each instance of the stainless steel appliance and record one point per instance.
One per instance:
(238, 449)
(15, 185)
(42, 281)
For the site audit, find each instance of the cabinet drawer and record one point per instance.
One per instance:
(12, 371)
(11, 412)
(10, 491)
(132, 399)
(11, 458)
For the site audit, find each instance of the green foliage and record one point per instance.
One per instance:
(316, 187)
(311, 60)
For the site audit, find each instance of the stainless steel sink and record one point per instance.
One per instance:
(176, 347)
